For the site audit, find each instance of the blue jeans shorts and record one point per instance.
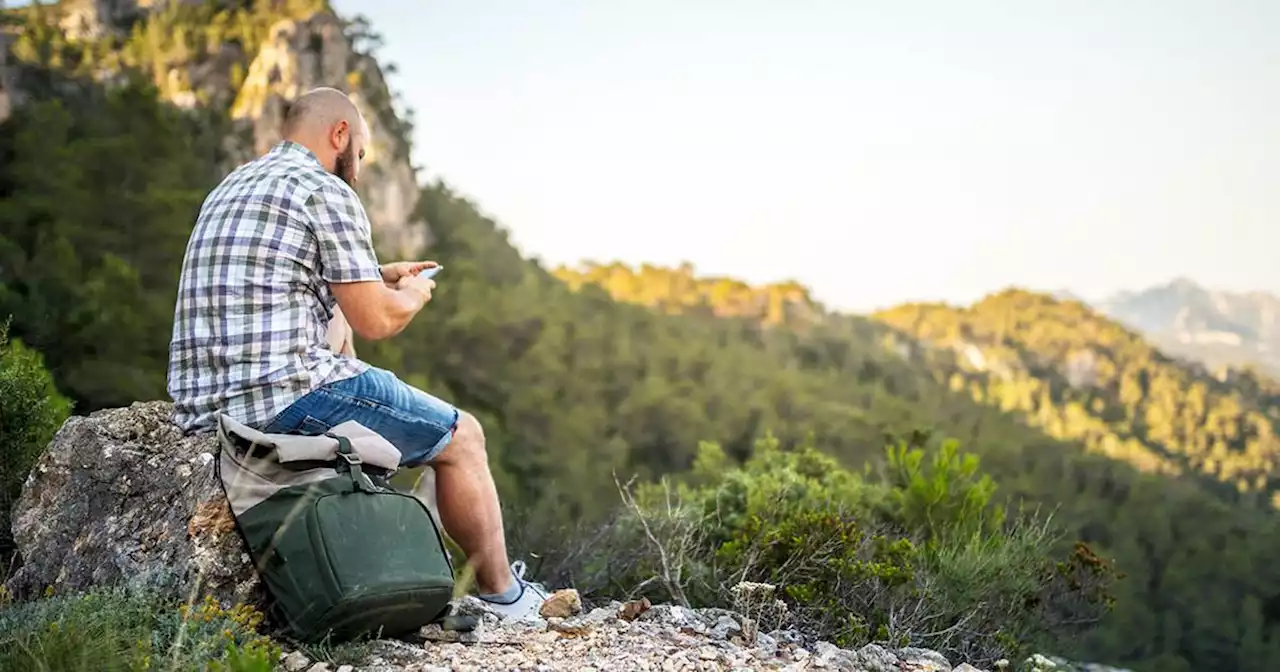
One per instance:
(415, 422)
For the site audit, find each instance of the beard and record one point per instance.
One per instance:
(345, 165)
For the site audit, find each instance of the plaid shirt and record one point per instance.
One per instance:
(251, 322)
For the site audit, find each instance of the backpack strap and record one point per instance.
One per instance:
(350, 462)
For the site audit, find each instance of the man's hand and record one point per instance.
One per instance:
(420, 286)
(377, 310)
(393, 272)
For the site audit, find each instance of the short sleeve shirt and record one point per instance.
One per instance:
(253, 308)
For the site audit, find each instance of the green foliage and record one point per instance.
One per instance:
(31, 410)
(98, 196)
(918, 559)
(949, 499)
(122, 629)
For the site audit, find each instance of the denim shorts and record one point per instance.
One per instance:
(415, 422)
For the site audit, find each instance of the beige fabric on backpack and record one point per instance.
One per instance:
(253, 464)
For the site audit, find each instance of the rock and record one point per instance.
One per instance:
(831, 656)
(562, 604)
(726, 626)
(575, 627)
(965, 667)
(295, 662)
(346, 668)
(876, 658)
(766, 645)
(1040, 663)
(924, 660)
(122, 496)
(632, 610)
(319, 667)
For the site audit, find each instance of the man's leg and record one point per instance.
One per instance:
(468, 504)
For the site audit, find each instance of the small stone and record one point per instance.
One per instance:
(876, 658)
(600, 615)
(562, 604)
(766, 645)
(632, 610)
(965, 667)
(319, 667)
(1003, 663)
(574, 627)
(346, 668)
(708, 653)
(296, 662)
(725, 627)
(924, 660)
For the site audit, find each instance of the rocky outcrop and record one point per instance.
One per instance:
(254, 87)
(121, 496)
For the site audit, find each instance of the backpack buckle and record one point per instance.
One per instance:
(351, 459)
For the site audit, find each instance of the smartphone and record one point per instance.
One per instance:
(430, 272)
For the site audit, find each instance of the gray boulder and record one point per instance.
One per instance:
(122, 496)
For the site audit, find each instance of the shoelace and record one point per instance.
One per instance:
(518, 569)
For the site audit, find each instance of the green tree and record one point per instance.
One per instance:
(31, 410)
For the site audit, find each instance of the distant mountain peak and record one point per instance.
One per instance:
(1217, 328)
(1183, 284)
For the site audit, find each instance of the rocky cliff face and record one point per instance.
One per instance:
(254, 83)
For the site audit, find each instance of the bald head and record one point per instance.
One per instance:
(327, 122)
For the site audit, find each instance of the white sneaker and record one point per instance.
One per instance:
(525, 607)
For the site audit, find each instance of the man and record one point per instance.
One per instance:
(279, 246)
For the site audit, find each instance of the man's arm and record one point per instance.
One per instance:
(376, 311)
(374, 308)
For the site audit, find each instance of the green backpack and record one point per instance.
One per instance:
(341, 553)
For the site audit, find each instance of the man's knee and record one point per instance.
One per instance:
(467, 444)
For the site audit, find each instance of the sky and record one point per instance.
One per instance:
(878, 152)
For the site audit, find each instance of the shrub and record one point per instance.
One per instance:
(126, 629)
(31, 410)
(918, 556)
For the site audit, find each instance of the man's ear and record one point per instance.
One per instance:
(341, 130)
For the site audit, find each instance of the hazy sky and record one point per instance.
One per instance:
(876, 151)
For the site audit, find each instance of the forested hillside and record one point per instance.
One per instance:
(1082, 377)
(581, 375)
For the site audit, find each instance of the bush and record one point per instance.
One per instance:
(31, 410)
(123, 629)
(918, 555)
